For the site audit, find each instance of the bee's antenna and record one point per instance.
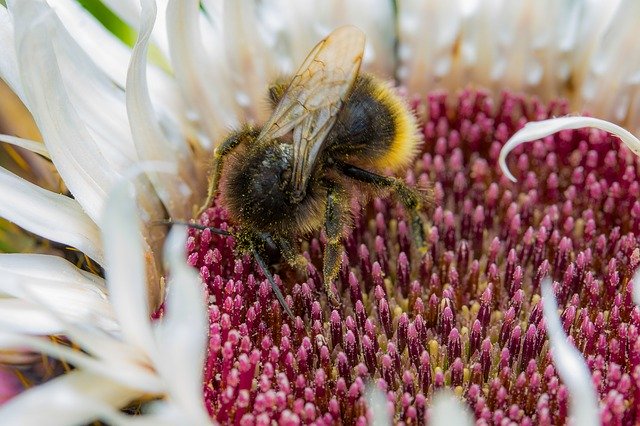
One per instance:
(261, 263)
(191, 225)
(274, 286)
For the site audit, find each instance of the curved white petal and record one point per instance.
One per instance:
(537, 130)
(125, 267)
(208, 95)
(570, 364)
(73, 150)
(152, 145)
(127, 10)
(33, 146)
(50, 215)
(449, 410)
(112, 56)
(75, 295)
(8, 61)
(24, 317)
(130, 12)
(99, 343)
(68, 400)
(103, 112)
(182, 334)
(135, 376)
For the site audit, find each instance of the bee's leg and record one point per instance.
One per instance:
(337, 215)
(412, 199)
(277, 89)
(218, 155)
(274, 286)
(292, 257)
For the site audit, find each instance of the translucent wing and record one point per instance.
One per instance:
(314, 97)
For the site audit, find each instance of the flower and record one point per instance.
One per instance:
(468, 314)
(466, 324)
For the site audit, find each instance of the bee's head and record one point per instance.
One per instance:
(256, 185)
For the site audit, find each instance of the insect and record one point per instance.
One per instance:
(332, 132)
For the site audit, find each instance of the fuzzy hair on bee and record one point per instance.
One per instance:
(333, 133)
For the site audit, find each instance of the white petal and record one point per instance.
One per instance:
(182, 335)
(74, 152)
(537, 130)
(152, 145)
(377, 24)
(251, 54)
(33, 146)
(570, 364)
(125, 267)
(65, 400)
(134, 376)
(635, 282)
(50, 215)
(75, 295)
(610, 86)
(8, 62)
(213, 107)
(291, 29)
(21, 316)
(130, 11)
(103, 113)
(112, 56)
(378, 407)
(155, 413)
(428, 31)
(125, 362)
(127, 10)
(106, 50)
(448, 410)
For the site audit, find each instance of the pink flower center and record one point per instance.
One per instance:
(467, 314)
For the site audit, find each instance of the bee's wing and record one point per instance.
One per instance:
(312, 101)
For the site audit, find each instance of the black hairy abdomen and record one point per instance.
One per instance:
(365, 127)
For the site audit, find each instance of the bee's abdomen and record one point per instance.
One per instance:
(375, 128)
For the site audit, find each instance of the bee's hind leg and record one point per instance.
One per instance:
(412, 199)
(337, 215)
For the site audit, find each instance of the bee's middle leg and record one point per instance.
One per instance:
(336, 217)
(292, 257)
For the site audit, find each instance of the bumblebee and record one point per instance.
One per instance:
(332, 133)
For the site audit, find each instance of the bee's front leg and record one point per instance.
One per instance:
(218, 160)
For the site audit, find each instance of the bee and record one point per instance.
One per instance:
(332, 133)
